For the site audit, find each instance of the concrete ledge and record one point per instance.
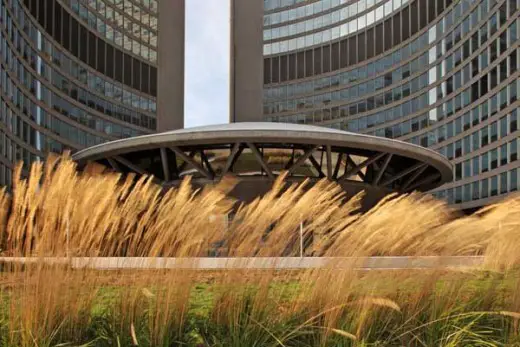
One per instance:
(278, 263)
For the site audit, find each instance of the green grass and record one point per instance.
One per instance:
(469, 319)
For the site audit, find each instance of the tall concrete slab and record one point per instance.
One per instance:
(246, 72)
(170, 95)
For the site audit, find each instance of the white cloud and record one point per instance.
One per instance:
(207, 62)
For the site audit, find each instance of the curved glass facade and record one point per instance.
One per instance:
(439, 73)
(74, 74)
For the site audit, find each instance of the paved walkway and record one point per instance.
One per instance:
(285, 263)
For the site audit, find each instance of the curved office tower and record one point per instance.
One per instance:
(439, 73)
(77, 73)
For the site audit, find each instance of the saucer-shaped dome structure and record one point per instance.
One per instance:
(256, 153)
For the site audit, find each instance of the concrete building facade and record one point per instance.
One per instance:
(439, 73)
(76, 73)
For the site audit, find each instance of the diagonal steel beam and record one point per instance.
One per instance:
(191, 161)
(403, 173)
(357, 168)
(185, 163)
(414, 177)
(231, 159)
(290, 162)
(362, 165)
(114, 164)
(206, 161)
(260, 159)
(338, 165)
(382, 169)
(302, 159)
(136, 169)
(329, 162)
(165, 165)
(353, 164)
(132, 166)
(316, 165)
(232, 168)
(426, 180)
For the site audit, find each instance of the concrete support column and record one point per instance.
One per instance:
(170, 89)
(247, 76)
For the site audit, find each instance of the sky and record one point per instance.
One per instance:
(207, 62)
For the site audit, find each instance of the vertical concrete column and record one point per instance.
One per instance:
(246, 80)
(170, 89)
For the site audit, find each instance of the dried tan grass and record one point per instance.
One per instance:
(60, 212)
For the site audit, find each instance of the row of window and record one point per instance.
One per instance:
(503, 183)
(492, 51)
(50, 74)
(150, 5)
(487, 82)
(5, 173)
(72, 67)
(348, 94)
(24, 130)
(404, 24)
(85, 45)
(113, 91)
(132, 9)
(338, 15)
(15, 153)
(280, 69)
(312, 9)
(143, 40)
(327, 114)
(453, 60)
(273, 4)
(490, 160)
(348, 52)
(464, 123)
(444, 132)
(95, 103)
(27, 106)
(480, 113)
(349, 78)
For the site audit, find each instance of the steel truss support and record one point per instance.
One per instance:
(132, 166)
(382, 169)
(114, 164)
(185, 163)
(414, 177)
(260, 159)
(362, 165)
(302, 159)
(205, 160)
(383, 172)
(402, 174)
(426, 180)
(316, 165)
(189, 159)
(338, 165)
(353, 164)
(236, 150)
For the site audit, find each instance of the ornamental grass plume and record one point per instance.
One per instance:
(61, 213)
